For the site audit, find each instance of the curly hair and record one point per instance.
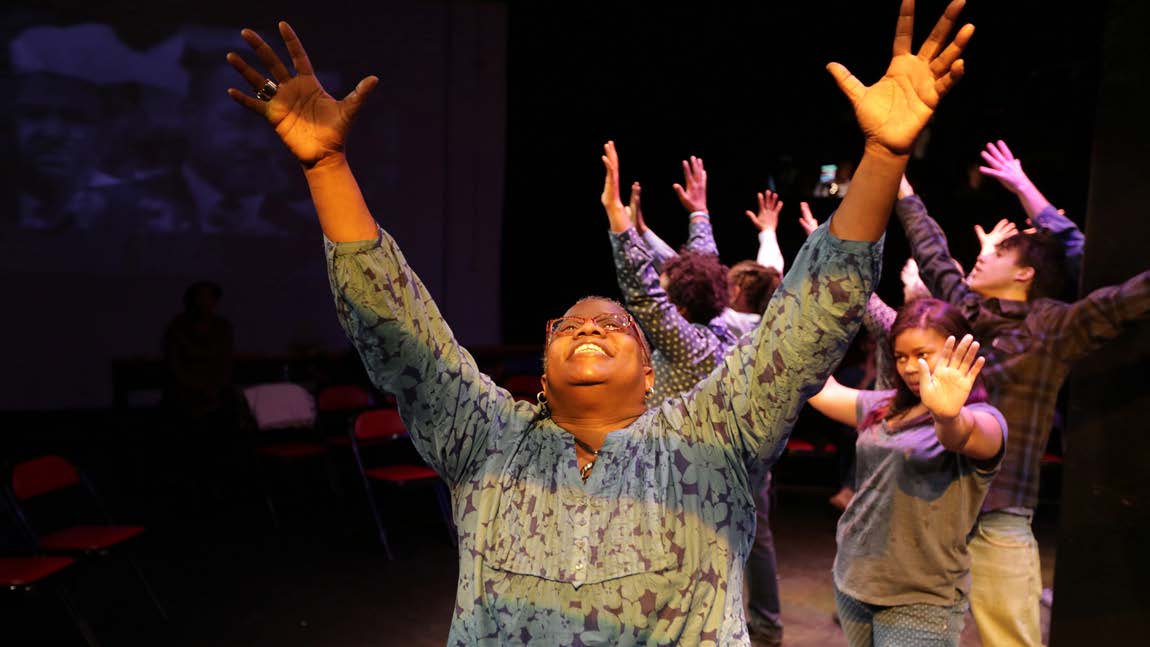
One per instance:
(1041, 251)
(697, 285)
(757, 283)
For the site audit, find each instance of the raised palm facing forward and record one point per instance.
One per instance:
(767, 218)
(945, 389)
(312, 123)
(895, 109)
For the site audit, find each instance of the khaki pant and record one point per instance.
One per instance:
(1006, 581)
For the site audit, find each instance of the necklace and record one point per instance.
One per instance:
(585, 471)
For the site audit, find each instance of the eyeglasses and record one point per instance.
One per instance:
(608, 322)
(569, 325)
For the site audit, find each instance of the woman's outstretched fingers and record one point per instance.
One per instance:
(254, 78)
(847, 82)
(267, 55)
(299, 59)
(953, 51)
(960, 350)
(971, 355)
(947, 352)
(934, 42)
(354, 99)
(946, 82)
(255, 105)
(977, 368)
(904, 29)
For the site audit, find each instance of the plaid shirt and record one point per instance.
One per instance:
(1029, 347)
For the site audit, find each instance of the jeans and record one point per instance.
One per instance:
(1006, 580)
(906, 625)
(762, 572)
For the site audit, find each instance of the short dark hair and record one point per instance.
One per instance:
(757, 283)
(1041, 251)
(697, 283)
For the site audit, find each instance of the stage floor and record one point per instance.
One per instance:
(319, 580)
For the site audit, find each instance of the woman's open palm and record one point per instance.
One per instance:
(945, 389)
(311, 123)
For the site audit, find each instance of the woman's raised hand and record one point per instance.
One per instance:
(895, 109)
(618, 215)
(945, 389)
(311, 123)
(807, 219)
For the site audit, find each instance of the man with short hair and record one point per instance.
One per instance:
(1030, 341)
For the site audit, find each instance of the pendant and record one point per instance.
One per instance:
(585, 471)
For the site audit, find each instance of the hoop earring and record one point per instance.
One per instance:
(543, 409)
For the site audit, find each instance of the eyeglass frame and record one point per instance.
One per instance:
(631, 323)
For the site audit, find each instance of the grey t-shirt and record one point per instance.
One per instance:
(902, 539)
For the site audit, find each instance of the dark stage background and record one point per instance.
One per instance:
(479, 153)
(134, 174)
(743, 86)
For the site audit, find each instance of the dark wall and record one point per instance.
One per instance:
(1100, 590)
(744, 86)
(89, 287)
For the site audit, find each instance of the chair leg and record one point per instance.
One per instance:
(378, 520)
(77, 619)
(271, 506)
(370, 493)
(266, 483)
(147, 587)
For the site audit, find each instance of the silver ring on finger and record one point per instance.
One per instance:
(267, 91)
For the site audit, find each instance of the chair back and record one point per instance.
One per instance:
(281, 405)
(523, 387)
(379, 424)
(42, 475)
(344, 397)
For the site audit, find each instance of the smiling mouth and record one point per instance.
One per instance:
(586, 349)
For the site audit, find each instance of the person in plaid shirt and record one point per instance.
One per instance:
(1031, 341)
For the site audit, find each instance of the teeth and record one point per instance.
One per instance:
(589, 348)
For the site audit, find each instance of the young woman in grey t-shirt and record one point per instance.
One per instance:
(927, 452)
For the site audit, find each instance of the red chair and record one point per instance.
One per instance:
(344, 397)
(804, 447)
(287, 440)
(523, 387)
(381, 426)
(26, 574)
(285, 415)
(49, 475)
(338, 405)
